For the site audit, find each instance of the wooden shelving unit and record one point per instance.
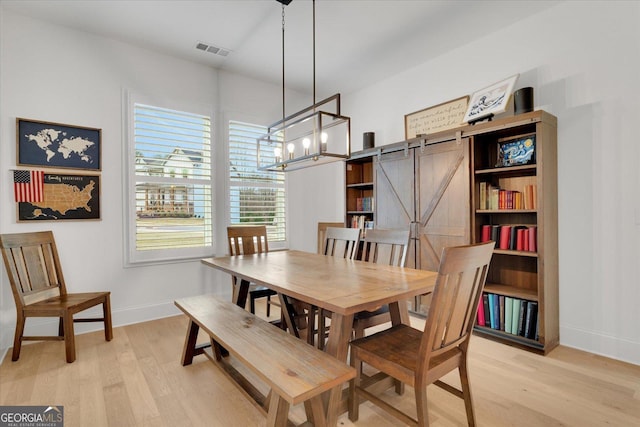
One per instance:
(359, 184)
(522, 275)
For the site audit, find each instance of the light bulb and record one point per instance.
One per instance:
(277, 152)
(290, 149)
(324, 137)
(306, 143)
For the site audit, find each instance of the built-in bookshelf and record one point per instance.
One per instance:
(515, 204)
(360, 201)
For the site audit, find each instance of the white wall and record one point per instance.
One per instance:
(583, 60)
(52, 73)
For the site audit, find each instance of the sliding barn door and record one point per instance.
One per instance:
(395, 194)
(443, 215)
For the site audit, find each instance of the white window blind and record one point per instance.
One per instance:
(171, 188)
(255, 197)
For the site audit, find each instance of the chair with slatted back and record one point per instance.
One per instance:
(247, 240)
(420, 358)
(39, 290)
(341, 242)
(322, 232)
(387, 247)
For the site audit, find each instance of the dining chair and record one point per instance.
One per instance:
(341, 242)
(381, 247)
(248, 240)
(420, 358)
(387, 247)
(322, 232)
(39, 290)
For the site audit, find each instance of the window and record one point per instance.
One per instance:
(255, 197)
(169, 187)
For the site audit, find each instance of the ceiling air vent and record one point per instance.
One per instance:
(205, 47)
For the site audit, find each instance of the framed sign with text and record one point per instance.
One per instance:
(447, 115)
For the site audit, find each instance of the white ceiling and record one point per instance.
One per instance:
(358, 42)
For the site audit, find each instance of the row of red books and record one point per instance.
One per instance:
(511, 237)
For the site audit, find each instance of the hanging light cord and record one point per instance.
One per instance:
(283, 109)
(314, 52)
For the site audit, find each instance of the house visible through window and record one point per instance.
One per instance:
(170, 187)
(255, 197)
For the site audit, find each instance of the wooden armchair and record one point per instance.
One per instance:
(247, 240)
(39, 290)
(420, 358)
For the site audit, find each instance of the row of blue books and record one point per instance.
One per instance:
(512, 315)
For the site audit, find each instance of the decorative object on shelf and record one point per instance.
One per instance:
(520, 151)
(368, 140)
(311, 136)
(489, 101)
(56, 145)
(523, 100)
(447, 115)
(65, 197)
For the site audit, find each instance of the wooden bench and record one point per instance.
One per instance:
(295, 371)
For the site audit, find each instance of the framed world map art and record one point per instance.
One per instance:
(65, 197)
(56, 145)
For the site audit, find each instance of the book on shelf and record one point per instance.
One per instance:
(508, 313)
(505, 234)
(492, 312)
(483, 195)
(502, 309)
(533, 245)
(523, 317)
(485, 306)
(480, 312)
(515, 316)
(532, 319)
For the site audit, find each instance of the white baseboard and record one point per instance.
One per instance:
(601, 344)
(127, 316)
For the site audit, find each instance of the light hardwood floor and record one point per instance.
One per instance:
(137, 380)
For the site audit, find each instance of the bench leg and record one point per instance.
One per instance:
(189, 348)
(316, 407)
(278, 412)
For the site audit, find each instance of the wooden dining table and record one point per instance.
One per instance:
(343, 287)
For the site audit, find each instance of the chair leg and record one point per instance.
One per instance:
(252, 304)
(60, 327)
(106, 314)
(421, 405)
(69, 338)
(354, 400)
(466, 393)
(268, 305)
(17, 340)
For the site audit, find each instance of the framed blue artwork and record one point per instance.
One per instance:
(56, 145)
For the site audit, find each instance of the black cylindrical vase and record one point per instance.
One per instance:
(523, 100)
(368, 140)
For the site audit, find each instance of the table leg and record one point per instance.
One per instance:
(399, 313)
(189, 349)
(338, 346)
(240, 292)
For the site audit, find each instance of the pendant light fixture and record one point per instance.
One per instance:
(312, 136)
